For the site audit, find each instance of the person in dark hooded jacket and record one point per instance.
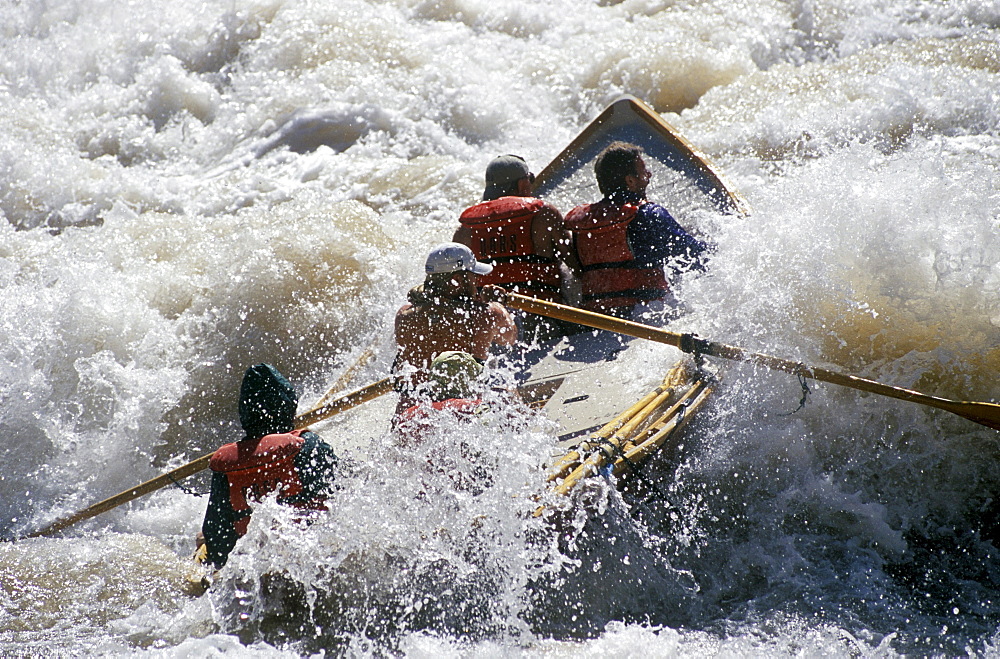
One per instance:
(273, 457)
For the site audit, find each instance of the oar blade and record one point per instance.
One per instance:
(985, 414)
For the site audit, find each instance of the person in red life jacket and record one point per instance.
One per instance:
(459, 388)
(452, 386)
(448, 312)
(624, 241)
(524, 238)
(273, 457)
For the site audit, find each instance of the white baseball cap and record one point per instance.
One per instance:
(454, 257)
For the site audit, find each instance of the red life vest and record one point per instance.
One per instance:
(420, 411)
(611, 277)
(256, 469)
(501, 236)
(415, 421)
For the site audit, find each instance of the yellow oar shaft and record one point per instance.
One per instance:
(665, 418)
(566, 463)
(643, 415)
(346, 376)
(305, 420)
(987, 414)
(345, 402)
(671, 424)
(142, 489)
(636, 414)
(614, 447)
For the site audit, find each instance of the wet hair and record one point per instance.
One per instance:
(613, 164)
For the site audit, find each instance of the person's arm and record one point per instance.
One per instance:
(504, 329)
(219, 527)
(403, 332)
(552, 238)
(316, 464)
(658, 238)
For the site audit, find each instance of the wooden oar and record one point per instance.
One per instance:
(615, 442)
(315, 415)
(673, 422)
(987, 414)
(623, 448)
(345, 402)
(346, 376)
(571, 459)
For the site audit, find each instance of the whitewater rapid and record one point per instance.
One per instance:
(186, 191)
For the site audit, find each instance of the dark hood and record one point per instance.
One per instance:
(267, 402)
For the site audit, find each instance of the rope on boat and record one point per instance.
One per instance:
(694, 346)
(805, 395)
(184, 488)
(616, 451)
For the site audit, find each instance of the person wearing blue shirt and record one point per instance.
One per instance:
(624, 241)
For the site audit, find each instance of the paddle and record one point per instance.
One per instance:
(345, 402)
(987, 414)
(342, 381)
(304, 420)
(617, 443)
(623, 424)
